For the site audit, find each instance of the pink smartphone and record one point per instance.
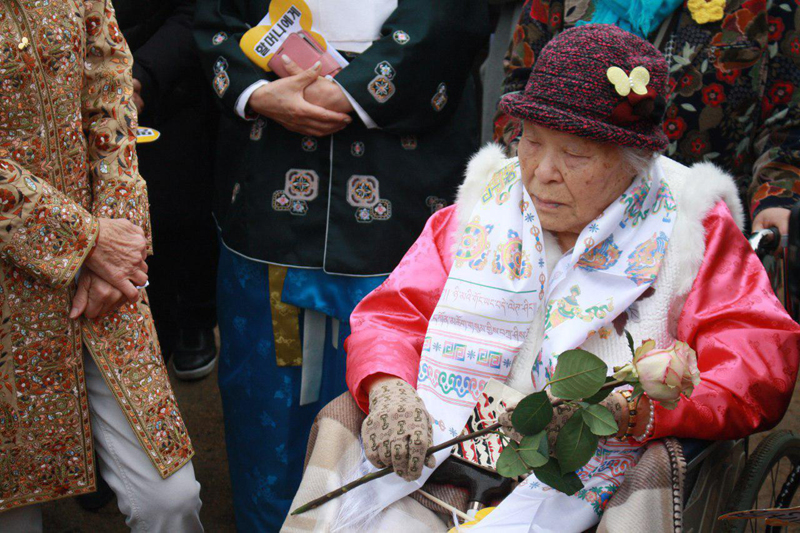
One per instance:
(304, 51)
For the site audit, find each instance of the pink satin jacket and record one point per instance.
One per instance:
(747, 345)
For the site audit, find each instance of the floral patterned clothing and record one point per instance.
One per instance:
(67, 157)
(733, 98)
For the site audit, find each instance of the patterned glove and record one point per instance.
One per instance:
(397, 432)
(561, 413)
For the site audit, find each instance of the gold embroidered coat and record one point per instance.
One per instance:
(67, 157)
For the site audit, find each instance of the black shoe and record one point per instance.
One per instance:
(94, 501)
(195, 353)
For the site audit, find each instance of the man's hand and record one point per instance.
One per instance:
(137, 96)
(118, 257)
(773, 216)
(282, 101)
(95, 297)
(322, 92)
(326, 93)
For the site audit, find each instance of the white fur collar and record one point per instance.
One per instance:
(482, 165)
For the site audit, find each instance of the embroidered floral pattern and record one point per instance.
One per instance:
(363, 192)
(300, 187)
(401, 37)
(309, 144)
(381, 88)
(408, 142)
(435, 203)
(219, 38)
(357, 149)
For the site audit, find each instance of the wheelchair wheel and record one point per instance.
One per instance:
(770, 479)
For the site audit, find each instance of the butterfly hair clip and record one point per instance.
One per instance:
(638, 101)
(624, 84)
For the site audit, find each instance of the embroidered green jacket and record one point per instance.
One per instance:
(351, 203)
(734, 98)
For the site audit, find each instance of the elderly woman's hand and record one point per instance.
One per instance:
(118, 257)
(561, 413)
(95, 297)
(397, 432)
(616, 403)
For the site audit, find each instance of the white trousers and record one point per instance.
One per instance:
(148, 502)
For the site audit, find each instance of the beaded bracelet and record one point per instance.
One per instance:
(648, 430)
(631, 413)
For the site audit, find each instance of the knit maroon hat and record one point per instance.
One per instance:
(569, 89)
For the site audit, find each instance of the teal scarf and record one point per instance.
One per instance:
(636, 16)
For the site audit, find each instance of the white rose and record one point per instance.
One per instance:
(667, 373)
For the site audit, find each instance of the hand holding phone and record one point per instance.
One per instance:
(304, 51)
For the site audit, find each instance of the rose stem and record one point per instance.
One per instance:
(313, 504)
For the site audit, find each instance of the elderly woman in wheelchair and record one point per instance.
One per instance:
(588, 232)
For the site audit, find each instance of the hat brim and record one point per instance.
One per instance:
(521, 106)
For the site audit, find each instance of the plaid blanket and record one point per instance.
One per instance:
(650, 498)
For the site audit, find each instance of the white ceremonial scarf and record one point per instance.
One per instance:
(497, 283)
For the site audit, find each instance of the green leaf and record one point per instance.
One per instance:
(600, 420)
(534, 450)
(510, 464)
(602, 394)
(575, 444)
(689, 107)
(532, 414)
(579, 374)
(550, 474)
(630, 343)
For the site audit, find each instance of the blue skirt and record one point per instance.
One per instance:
(266, 429)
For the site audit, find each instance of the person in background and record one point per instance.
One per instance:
(322, 185)
(80, 366)
(734, 69)
(167, 81)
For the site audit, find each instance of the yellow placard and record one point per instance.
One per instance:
(480, 515)
(260, 43)
(147, 135)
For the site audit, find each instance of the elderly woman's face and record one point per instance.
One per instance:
(570, 179)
